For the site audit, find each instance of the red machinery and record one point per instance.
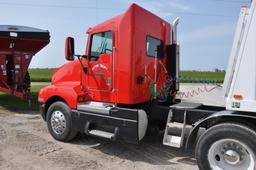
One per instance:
(123, 85)
(120, 65)
(127, 64)
(18, 45)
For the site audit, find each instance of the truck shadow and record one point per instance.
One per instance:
(150, 150)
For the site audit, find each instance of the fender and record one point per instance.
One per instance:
(219, 117)
(69, 92)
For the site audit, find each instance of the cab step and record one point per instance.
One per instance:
(171, 136)
(102, 134)
(174, 140)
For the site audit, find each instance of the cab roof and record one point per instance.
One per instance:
(113, 23)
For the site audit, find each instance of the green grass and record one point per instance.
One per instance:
(41, 75)
(201, 76)
(44, 75)
(13, 103)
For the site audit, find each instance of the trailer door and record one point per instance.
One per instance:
(100, 72)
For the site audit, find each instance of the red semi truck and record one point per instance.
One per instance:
(18, 44)
(124, 84)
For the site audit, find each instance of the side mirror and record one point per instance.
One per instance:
(69, 49)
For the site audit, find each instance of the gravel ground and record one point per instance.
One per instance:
(25, 144)
(207, 94)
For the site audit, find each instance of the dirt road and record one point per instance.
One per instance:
(25, 144)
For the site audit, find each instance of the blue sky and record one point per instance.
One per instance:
(205, 32)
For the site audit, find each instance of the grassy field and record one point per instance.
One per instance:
(13, 103)
(201, 77)
(41, 75)
(44, 75)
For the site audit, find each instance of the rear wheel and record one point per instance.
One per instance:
(59, 122)
(227, 146)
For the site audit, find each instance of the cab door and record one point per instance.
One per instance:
(100, 72)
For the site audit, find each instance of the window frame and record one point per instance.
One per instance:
(91, 42)
(161, 41)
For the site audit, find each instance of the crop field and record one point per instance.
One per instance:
(41, 75)
(44, 75)
(13, 103)
(201, 77)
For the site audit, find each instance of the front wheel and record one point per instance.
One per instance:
(59, 122)
(227, 146)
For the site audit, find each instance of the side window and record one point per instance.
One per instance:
(152, 44)
(101, 44)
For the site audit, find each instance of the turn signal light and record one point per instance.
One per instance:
(238, 96)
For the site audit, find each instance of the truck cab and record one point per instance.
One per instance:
(126, 67)
(118, 66)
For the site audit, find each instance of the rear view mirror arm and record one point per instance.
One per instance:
(79, 57)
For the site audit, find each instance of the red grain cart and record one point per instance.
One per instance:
(18, 45)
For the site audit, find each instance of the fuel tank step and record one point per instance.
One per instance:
(102, 134)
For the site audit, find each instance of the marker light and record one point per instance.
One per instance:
(238, 96)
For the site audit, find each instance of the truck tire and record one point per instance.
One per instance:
(227, 146)
(59, 122)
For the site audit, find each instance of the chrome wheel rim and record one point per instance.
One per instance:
(230, 154)
(58, 122)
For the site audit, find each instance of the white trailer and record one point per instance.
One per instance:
(229, 140)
